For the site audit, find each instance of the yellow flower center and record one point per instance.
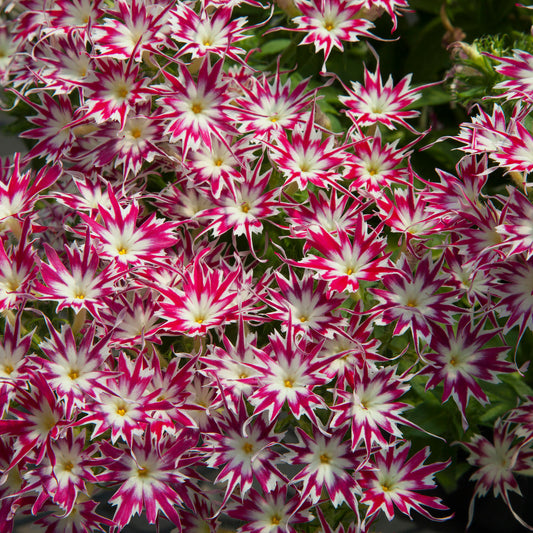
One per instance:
(122, 251)
(121, 411)
(288, 383)
(325, 459)
(73, 374)
(275, 520)
(8, 369)
(68, 466)
(247, 448)
(197, 108)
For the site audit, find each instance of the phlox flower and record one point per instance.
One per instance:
(211, 31)
(217, 165)
(123, 402)
(371, 102)
(479, 239)
(460, 357)
(195, 111)
(135, 27)
(326, 210)
(63, 473)
(329, 463)
(374, 165)
(149, 475)
(268, 106)
(74, 14)
(18, 269)
(242, 208)
(231, 367)
(271, 512)
(13, 361)
(354, 345)
(345, 261)
(89, 193)
(496, 464)
(81, 519)
(53, 133)
(207, 298)
(454, 195)
(518, 69)
(19, 191)
(289, 373)
(517, 227)
(305, 157)
(329, 22)
(392, 7)
(414, 299)
(516, 293)
(515, 156)
(395, 481)
(470, 277)
(409, 213)
(370, 406)
(37, 425)
(112, 91)
(484, 132)
(131, 318)
(133, 144)
(73, 369)
(122, 241)
(63, 60)
(305, 307)
(172, 384)
(83, 285)
(243, 452)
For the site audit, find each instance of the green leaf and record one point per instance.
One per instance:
(275, 47)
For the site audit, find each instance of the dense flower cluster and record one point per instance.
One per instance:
(216, 308)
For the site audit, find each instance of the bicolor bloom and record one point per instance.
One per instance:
(415, 300)
(81, 285)
(212, 31)
(135, 27)
(195, 111)
(206, 299)
(270, 106)
(371, 102)
(327, 23)
(345, 261)
(121, 240)
(371, 406)
(460, 357)
(396, 481)
(496, 464)
(271, 512)
(306, 157)
(289, 373)
(329, 463)
(149, 476)
(243, 452)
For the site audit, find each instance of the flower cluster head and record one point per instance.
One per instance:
(218, 310)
